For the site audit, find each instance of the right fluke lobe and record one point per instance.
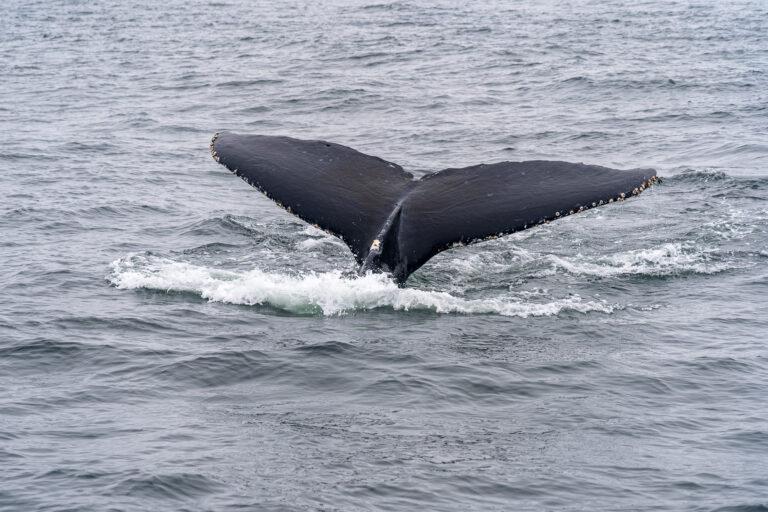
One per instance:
(393, 223)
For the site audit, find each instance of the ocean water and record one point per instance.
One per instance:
(171, 340)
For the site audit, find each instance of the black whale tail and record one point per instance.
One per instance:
(394, 223)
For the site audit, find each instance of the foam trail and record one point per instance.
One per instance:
(326, 293)
(665, 260)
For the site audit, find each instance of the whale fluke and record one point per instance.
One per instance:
(394, 223)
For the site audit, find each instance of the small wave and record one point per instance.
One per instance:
(317, 239)
(177, 486)
(665, 260)
(391, 6)
(699, 176)
(311, 244)
(721, 183)
(328, 293)
(758, 507)
(248, 83)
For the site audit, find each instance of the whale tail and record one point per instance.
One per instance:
(394, 223)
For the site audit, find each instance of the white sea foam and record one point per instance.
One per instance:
(311, 244)
(317, 238)
(666, 259)
(327, 293)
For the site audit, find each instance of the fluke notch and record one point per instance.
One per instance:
(394, 223)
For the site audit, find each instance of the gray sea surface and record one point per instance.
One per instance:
(171, 340)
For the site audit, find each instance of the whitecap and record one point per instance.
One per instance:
(329, 293)
(666, 259)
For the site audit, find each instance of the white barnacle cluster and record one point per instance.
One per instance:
(252, 183)
(327, 231)
(215, 155)
(287, 208)
(558, 214)
(621, 197)
(213, 150)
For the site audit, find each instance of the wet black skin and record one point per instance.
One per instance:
(394, 223)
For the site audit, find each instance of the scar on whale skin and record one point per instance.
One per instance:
(395, 223)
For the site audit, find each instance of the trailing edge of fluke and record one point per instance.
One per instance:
(394, 223)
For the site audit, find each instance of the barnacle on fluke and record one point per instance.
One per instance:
(393, 222)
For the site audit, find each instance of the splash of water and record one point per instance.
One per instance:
(328, 293)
